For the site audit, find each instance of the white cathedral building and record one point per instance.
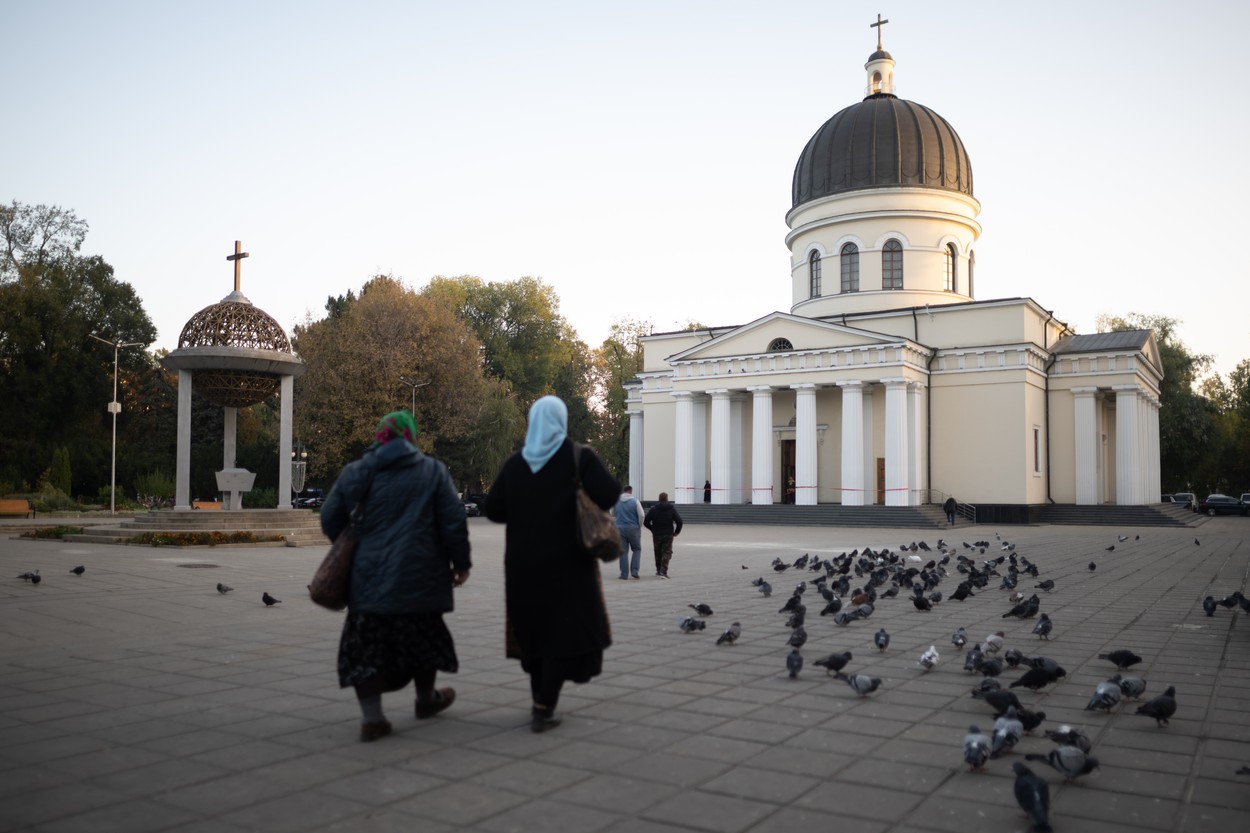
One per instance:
(888, 381)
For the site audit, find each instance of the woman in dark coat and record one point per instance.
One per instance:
(413, 549)
(557, 621)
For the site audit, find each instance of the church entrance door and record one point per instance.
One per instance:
(787, 471)
(880, 481)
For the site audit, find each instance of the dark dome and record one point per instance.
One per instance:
(882, 142)
(234, 323)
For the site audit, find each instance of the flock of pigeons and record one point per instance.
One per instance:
(850, 586)
(33, 577)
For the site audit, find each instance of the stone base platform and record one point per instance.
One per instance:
(300, 527)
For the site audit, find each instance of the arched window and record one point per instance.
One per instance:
(850, 268)
(952, 266)
(892, 265)
(972, 263)
(813, 275)
(780, 345)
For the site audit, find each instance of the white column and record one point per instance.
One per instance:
(897, 487)
(737, 444)
(182, 484)
(761, 445)
(719, 445)
(683, 459)
(917, 476)
(229, 433)
(1126, 450)
(1143, 449)
(852, 443)
(285, 440)
(698, 447)
(869, 476)
(1152, 432)
(1086, 433)
(805, 485)
(635, 451)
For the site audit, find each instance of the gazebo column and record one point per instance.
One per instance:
(805, 485)
(761, 445)
(635, 451)
(683, 449)
(852, 443)
(897, 487)
(1126, 448)
(182, 476)
(1086, 452)
(285, 441)
(720, 446)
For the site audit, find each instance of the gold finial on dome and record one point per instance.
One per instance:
(239, 255)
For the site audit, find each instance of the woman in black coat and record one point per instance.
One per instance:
(557, 620)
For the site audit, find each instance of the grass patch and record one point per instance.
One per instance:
(200, 539)
(53, 532)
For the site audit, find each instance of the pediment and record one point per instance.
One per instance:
(802, 334)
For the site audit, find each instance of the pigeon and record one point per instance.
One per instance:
(29, 575)
(1046, 585)
(972, 659)
(930, 658)
(1092, 566)
(1036, 678)
(1122, 658)
(976, 748)
(861, 684)
(998, 700)
(794, 663)
(1106, 695)
(1197, 543)
(792, 604)
(731, 634)
(269, 601)
(1132, 687)
(1033, 796)
(835, 604)
(689, 624)
(1043, 627)
(1007, 732)
(834, 662)
(959, 639)
(797, 638)
(79, 570)
(1160, 708)
(1069, 761)
(986, 685)
(766, 589)
(1123, 538)
(881, 640)
(1068, 736)
(991, 667)
(1013, 657)
(36, 578)
(1209, 605)
(1111, 548)
(1030, 720)
(701, 609)
(993, 643)
(922, 604)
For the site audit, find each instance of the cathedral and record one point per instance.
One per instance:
(888, 381)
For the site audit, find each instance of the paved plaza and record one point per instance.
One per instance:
(136, 698)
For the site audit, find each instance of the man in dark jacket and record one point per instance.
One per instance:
(665, 525)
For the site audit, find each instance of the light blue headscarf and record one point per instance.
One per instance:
(549, 425)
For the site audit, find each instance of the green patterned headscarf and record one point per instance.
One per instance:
(396, 424)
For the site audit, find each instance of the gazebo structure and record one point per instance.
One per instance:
(235, 355)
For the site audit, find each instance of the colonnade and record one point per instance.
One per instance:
(1136, 472)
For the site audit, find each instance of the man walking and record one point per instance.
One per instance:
(665, 524)
(628, 514)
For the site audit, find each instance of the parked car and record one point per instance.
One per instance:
(310, 499)
(1166, 499)
(471, 509)
(1188, 499)
(1245, 497)
(1223, 505)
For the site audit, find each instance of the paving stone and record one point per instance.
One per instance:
(551, 816)
(460, 804)
(708, 811)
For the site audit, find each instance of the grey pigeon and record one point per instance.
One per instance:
(689, 624)
(993, 643)
(269, 601)
(1046, 585)
(1133, 687)
(701, 609)
(794, 663)
(1069, 761)
(861, 684)
(1033, 796)
(1160, 708)
(959, 639)
(834, 662)
(1007, 732)
(79, 570)
(881, 640)
(1043, 627)
(976, 748)
(1069, 736)
(1121, 658)
(731, 634)
(991, 667)
(766, 589)
(797, 638)
(223, 589)
(972, 659)
(1106, 695)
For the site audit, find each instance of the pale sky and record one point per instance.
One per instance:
(636, 156)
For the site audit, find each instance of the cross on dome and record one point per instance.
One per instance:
(237, 257)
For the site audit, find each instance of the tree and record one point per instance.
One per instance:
(355, 359)
(36, 235)
(617, 361)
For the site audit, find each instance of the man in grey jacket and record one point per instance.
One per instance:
(628, 514)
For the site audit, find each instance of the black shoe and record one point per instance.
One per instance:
(541, 722)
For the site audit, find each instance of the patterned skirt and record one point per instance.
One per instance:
(385, 651)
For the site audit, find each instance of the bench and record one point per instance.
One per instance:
(206, 504)
(16, 506)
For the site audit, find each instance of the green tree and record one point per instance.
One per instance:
(59, 472)
(617, 361)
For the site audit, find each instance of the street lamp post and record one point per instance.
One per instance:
(115, 408)
(414, 385)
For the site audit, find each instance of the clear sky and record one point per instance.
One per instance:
(636, 156)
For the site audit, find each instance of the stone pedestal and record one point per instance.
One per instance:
(232, 483)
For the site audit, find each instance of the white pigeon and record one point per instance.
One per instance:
(930, 658)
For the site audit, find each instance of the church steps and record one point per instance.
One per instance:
(885, 517)
(1162, 514)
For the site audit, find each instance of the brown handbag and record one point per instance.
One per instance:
(331, 584)
(596, 530)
